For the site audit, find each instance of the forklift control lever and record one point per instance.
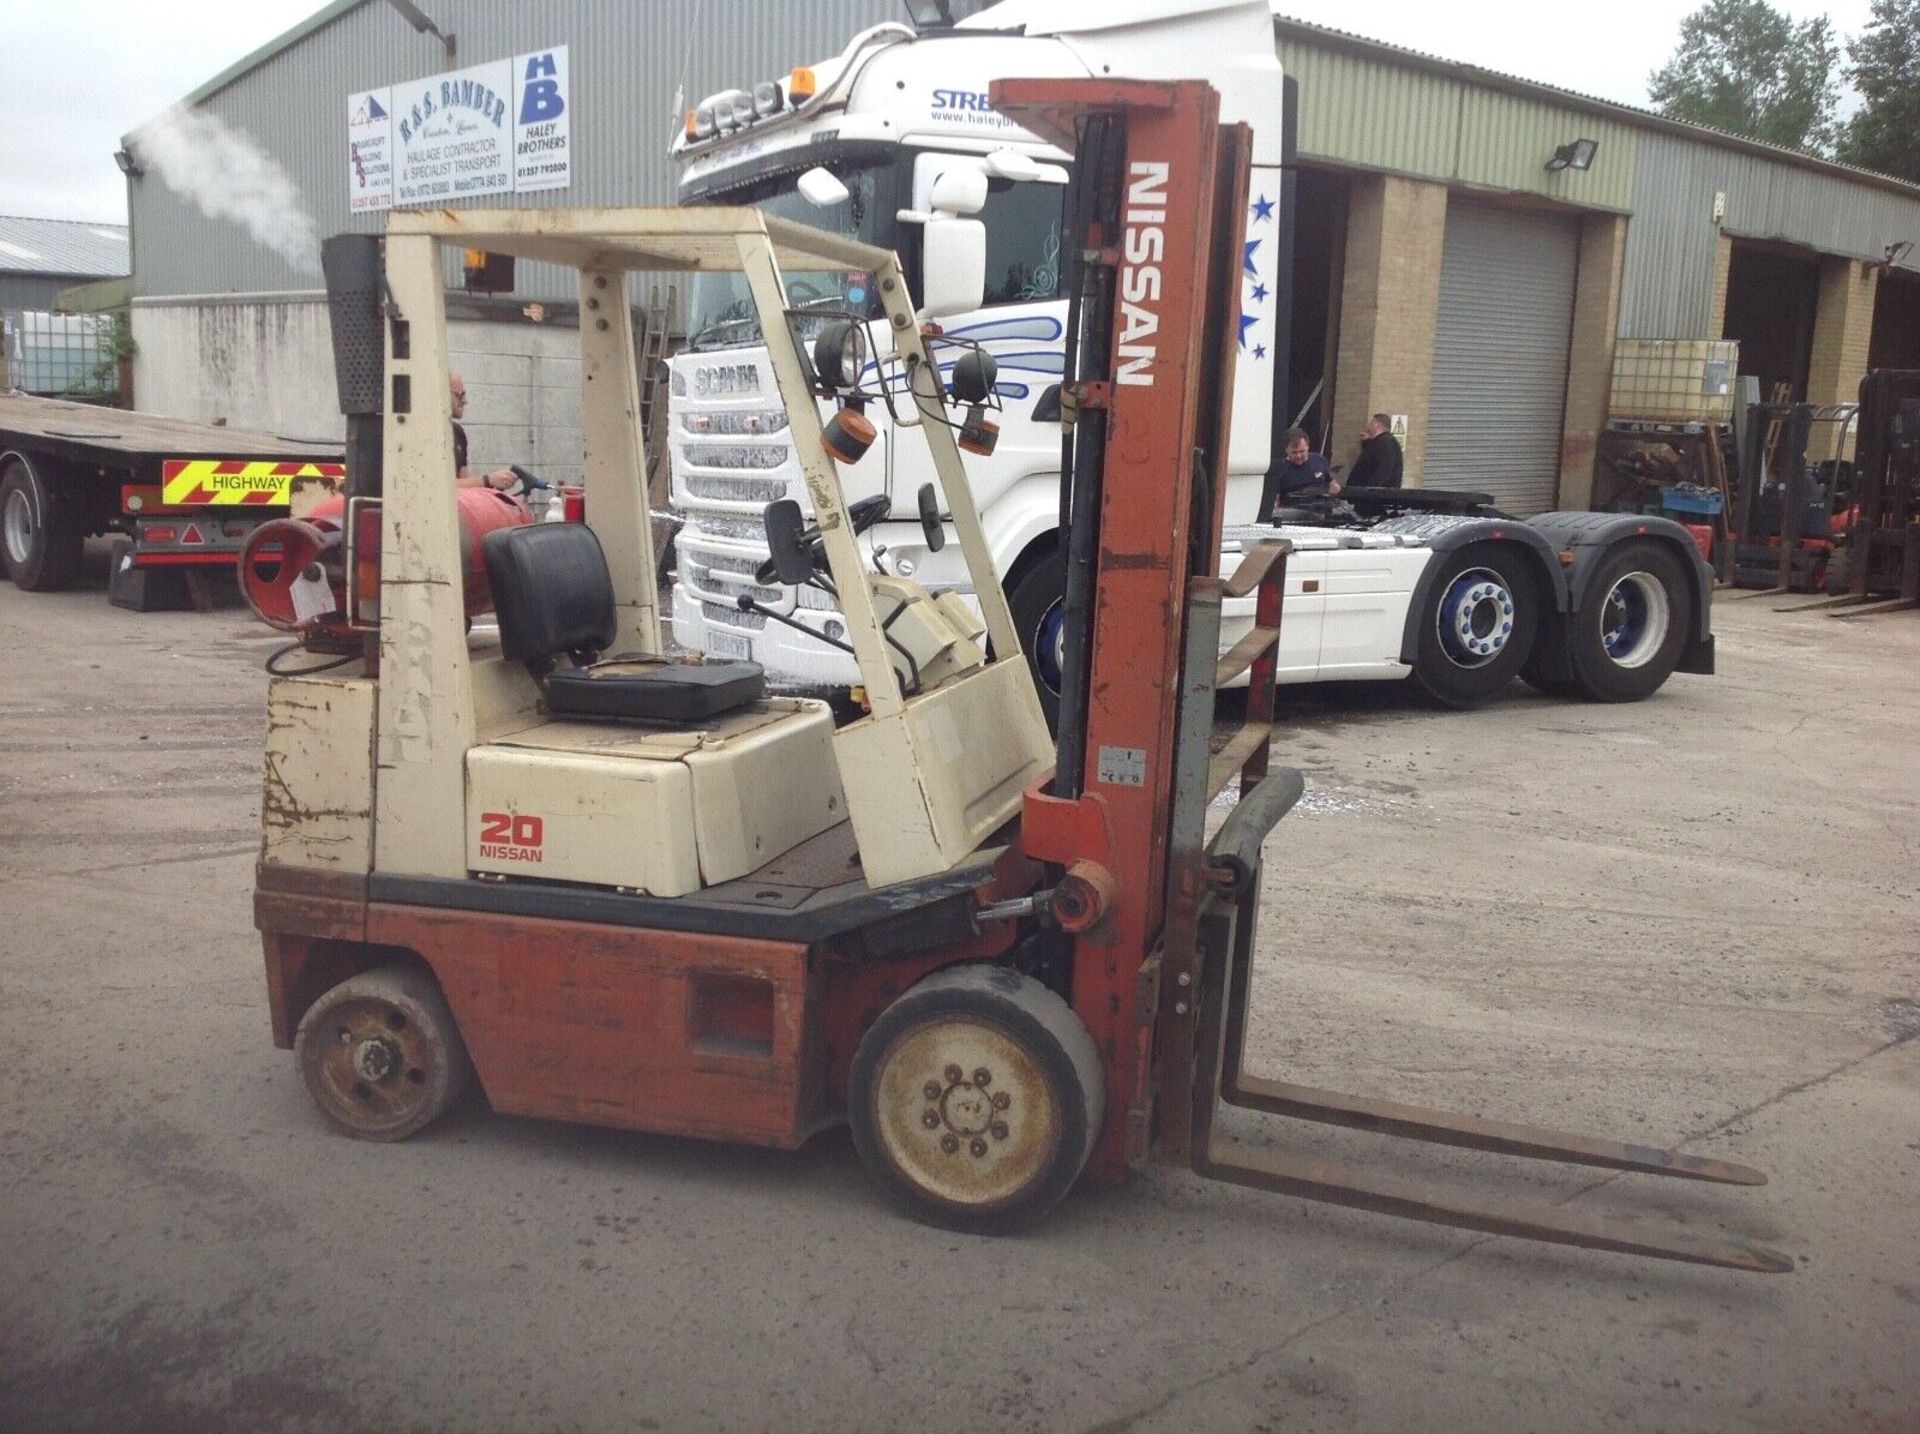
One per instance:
(1039, 903)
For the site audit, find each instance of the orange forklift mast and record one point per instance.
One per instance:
(1161, 977)
(1051, 978)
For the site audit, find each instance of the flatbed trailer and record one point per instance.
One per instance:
(186, 495)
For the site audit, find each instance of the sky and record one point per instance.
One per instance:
(84, 73)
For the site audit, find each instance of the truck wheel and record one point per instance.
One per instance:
(1037, 605)
(40, 542)
(1545, 669)
(1479, 625)
(381, 1055)
(976, 1098)
(1627, 635)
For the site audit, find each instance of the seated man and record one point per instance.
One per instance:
(1304, 478)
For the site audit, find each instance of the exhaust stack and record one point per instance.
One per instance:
(355, 283)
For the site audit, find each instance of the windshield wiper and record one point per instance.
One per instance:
(719, 325)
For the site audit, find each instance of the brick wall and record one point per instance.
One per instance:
(1396, 232)
(1596, 316)
(1842, 334)
(1722, 266)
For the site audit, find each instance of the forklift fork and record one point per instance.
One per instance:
(1197, 995)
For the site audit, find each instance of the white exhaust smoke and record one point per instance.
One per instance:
(228, 176)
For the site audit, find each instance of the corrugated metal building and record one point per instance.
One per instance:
(1455, 262)
(1450, 269)
(40, 257)
(227, 328)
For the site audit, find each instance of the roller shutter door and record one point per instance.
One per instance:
(1500, 353)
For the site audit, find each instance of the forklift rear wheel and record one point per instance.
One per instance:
(40, 543)
(1480, 625)
(976, 1098)
(381, 1055)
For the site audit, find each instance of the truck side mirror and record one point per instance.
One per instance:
(961, 191)
(822, 188)
(953, 267)
(787, 541)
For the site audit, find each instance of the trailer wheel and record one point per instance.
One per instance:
(40, 542)
(976, 1098)
(381, 1055)
(1038, 603)
(1479, 625)
(1626, 637)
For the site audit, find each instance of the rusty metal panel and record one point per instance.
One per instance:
(316, 804)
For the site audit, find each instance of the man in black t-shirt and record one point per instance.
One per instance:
(464, 476)
(1303, 477)
(1379, 463)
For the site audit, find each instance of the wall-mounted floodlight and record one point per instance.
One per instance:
(420, 21)
(1899, 251)
(127, 163)
(1575, 154)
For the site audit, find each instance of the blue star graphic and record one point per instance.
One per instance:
(1247, 321)
(1259, 293)
(1263, 208)
(1246, 256)
(1259, 351)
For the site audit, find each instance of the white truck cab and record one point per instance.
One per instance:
(871, 144)
(887, 118)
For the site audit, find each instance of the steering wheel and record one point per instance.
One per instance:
(812, 292)
(529, 481)
(861, 515)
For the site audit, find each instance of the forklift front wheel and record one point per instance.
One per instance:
(380, 1054)
(976, 1098)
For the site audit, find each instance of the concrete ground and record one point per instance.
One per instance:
(1691, 920)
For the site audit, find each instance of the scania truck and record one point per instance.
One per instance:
(893, 142)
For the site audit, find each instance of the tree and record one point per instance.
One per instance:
(1745, 67)
(1884, 134)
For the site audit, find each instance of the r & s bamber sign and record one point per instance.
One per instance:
(497, 128)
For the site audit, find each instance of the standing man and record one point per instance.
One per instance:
(463, 476)
(1378, 465)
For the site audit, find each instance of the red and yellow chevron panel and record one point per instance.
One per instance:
(212, 482)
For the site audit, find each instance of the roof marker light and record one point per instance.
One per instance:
(801, 85)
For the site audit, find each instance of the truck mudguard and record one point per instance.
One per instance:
(1588, 536)
(1445, 533)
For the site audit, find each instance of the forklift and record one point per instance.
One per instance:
(625, 887)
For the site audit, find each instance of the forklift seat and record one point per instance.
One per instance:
(553, 594)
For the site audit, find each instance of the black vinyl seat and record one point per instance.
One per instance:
(554, 597)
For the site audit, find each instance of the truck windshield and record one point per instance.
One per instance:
(722, 314)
